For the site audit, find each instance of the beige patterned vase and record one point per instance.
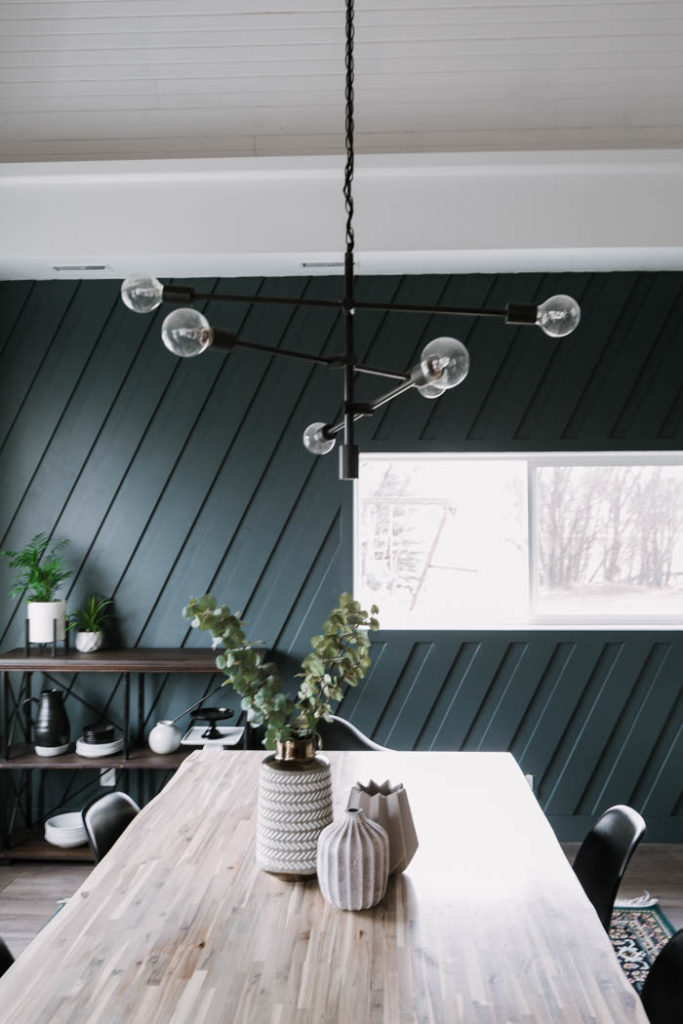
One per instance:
(353, 862)
(388, 806)
(294, 806)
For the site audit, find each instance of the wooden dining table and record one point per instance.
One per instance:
(177, 925)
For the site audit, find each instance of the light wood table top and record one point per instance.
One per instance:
(177, 925)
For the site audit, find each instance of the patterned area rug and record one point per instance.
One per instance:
(637, 937)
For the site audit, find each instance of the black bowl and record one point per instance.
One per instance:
(98, 733)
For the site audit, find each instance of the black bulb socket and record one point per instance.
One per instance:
(182, 295)
(521, 313)
(223, 341)
(348, 461)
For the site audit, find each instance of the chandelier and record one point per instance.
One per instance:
(443, 364)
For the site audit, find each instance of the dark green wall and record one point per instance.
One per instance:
(170, 478)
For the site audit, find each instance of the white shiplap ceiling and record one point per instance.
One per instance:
(138, 79)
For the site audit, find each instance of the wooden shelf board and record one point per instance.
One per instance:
(142, 659)
(24, 756)
(31, 846)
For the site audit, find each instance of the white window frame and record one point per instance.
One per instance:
(536, 620)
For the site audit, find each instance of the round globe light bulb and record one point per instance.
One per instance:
(445, 362)
(430, 390)
(185, 332)
(316, 442)
(558, 316)
(142, 294)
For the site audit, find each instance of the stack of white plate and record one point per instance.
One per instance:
(98, 749)
(66, 830)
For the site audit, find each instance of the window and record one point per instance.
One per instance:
(444, 541)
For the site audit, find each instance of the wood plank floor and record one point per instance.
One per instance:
(29, 892)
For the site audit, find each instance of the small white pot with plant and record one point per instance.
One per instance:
(41, 572)
(89, 624)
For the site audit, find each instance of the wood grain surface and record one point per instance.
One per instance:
(176, 925)
(134, 659)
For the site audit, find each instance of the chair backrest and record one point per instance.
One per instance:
(604, 855)
(339, 734)
(6, 958)
(105, 818)
(662, 993)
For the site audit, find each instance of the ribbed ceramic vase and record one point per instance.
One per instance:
(294, 806)
(388, 806)
(353, 862)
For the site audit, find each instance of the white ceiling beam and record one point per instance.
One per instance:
(415, 213)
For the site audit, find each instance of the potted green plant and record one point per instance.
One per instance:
(295, 789)
(89, 623)
(41, 572)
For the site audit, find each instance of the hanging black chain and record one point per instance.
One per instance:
(349, 127)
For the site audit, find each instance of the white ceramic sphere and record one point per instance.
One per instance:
(164, 738)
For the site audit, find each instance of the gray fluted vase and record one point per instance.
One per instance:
(294, 806)
(353, 862)
(388, 806)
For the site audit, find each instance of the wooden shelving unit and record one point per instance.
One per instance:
(20, 759)
(142, 758)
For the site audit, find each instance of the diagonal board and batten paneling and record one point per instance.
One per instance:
(170, 478)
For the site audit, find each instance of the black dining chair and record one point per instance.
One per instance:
(6, 958)
(339, 734)
(662, 993)
(105, 818)
(604, 855)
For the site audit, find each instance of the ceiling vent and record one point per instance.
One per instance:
(69, 268)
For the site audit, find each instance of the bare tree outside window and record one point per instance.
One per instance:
(449, 540)
(609, 540)
(442, 542)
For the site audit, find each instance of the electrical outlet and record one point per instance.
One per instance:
(530, 780)
(107, 776)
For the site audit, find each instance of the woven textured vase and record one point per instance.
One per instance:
(388, 806)
(294, 806)
(353, 862)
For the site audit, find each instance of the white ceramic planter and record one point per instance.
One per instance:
(294, 806)
(164, 738)
(86, 642)
(41, 616)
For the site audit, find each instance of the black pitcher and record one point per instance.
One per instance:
(52, 725)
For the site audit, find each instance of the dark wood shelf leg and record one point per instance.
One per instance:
(5, 717)
(141, 708)
(126, 716)
(28, 676)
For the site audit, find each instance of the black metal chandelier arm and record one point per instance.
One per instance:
(394, 307)
(226, 341)
(180, 295)
(514, 312)
(376, 372)
(367, 408)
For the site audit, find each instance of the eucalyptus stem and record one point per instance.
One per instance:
(340, 657)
